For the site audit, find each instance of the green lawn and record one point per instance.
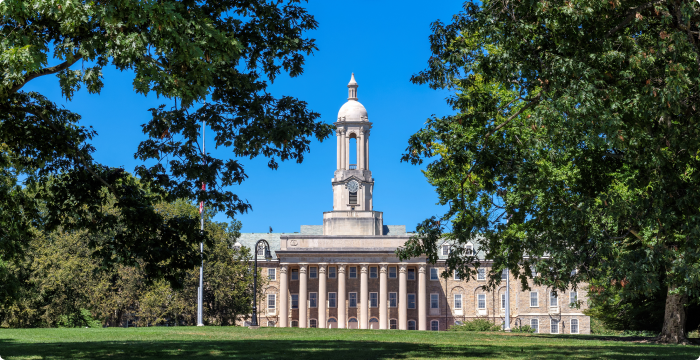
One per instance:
(299, 344)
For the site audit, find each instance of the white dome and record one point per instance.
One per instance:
(352, 111)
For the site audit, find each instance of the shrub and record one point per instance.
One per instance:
(476, 325)
(523, 329)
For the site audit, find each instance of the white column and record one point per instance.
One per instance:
(367, 150)
(284, 294)
(338, 151)
(346, 152)
(341, 297)
(322, 296)
(342, 149)
(364, 297)
(403, 298)
(303, 295)
(361, 150)
(358, 147)
(382, 297)
(422, 300)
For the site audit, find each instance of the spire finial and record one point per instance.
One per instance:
(352, 88)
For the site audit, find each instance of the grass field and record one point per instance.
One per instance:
(298, 344)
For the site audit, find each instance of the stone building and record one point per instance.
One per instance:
(351, 277)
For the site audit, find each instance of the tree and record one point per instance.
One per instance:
(216, 58)
(574, 148)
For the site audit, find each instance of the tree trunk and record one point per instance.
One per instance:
(673, 331)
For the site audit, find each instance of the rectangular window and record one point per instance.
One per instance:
(352, 299)
(573, 298)
(433, 274)
(373, 299)
(295, 274)
(481, 274)
(481, 301)
(445, 250)
(353, 198)
(313, 323)
(533, 270)
(456, 276)
(411, 274)
(373, 272)
(392, 272)
(295, 301)
(574, 326)
(331, 272)
(554, 327)
(392, 324)
(352, 272)
(458, 301)
(535, 325)
(534, 301)
(393, 299)
(434, 301)
(411, 301)
(332, 299)
(434, 325)
(272, 274)
(504, 274)
(553, 301)
(270, 324)
(470, 249)
(312, 299)
(313, 272)
(271, 301)
(503, 301)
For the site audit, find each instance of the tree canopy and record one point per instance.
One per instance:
(575, 145)
(215, 58)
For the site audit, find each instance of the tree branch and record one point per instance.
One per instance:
(630, 16)
(45, 71)
(532, 102)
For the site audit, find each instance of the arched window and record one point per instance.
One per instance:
(313, 323)
(295, 323)
(332, 323)
(392, 324)
(352, 323)
(374, 323)
(411, 325)
(434, 325)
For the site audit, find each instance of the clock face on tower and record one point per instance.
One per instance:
(353, 186)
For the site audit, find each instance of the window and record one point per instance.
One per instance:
(392, 272)
(434, 301)
(553, 300)
(313, 272)
(573, 298)
(261, 251)
(534, 302)
(458, 301)
(433, 274)
(313, 323)
(470, 249)
(331, 272)
(393, 299)
(411, 274)
(373, 299)
(445, 250)
(574, 326)
(411, 324)
(352, 323)
(456, 276)
(392, 324)
(353, 198)
(295, 274)
(352, 272)
(373, 272)
(481, 299)
(535, 325)
(504, 274)
(270, 324)
(554, 326)
(434, 325)
(313, 297)
(533, 270)
(411, 301)
(295, 301)
(481, 274)
(271, 301)
(295, 323)
(352, 300)
(332, 299)
(272, 274)
(503, 301)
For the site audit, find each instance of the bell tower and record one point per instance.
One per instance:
(353, 185)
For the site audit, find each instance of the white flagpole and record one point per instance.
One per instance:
(200, 290)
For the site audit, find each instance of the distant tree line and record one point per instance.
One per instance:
(61, 283)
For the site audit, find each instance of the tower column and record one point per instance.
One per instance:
(322, 296)
(361, 151)
(382, 297)
(367, 150)
(364, 297)
(346, 152)
(284, 290)
(422, 301)
(341, 297)
(403, 298)
(303, 295)
(343, 150)
(338, 151)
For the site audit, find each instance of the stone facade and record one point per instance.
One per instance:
(351, 277)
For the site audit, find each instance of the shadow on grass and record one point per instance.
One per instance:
(331, 349)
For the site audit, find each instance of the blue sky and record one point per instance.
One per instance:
(383, 43)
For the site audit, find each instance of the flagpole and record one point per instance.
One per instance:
(200, 290)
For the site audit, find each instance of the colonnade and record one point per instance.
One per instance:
(343, 149)
(363, 296)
